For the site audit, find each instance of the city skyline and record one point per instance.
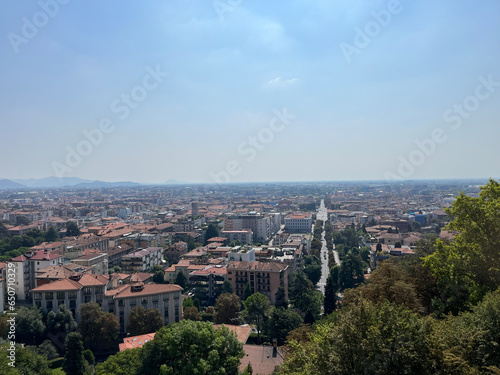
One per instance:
(250, 91)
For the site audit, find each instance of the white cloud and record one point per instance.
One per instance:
(280, 83)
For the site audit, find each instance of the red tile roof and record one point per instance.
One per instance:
(149, 289)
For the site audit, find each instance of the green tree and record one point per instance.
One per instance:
(27, 361)
(472, 259)
(281, 323)
(187, 302)
(99, 329)
(312, 268)
(29, 325)
(180, 280)
(62, 321)
(227, 308)
(304, 296)
(22, 220)
(191, 313)
(89, 357)
(330, 302)
(73, 363)
(51, 235)
(72, 229)
(159, 276)
(227, 287)
(47, 349)
(257, 308)
(212, 231)
(366, 339)
(189, 347)
(141, 321)
(247, 292)
(127, 362)
(390, 283)
(351, 271)
(281, 300)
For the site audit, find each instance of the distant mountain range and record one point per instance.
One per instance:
(59, 182)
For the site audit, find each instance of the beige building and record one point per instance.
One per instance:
(264, 277)
(164, 297)
(98, 262)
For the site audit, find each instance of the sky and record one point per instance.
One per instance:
(249, 91)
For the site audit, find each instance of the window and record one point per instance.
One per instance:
(72, 295)
(61, 295)
(72, 304)
(49, 295)
(133, 302)
(165, 297)
(50, 305)
(37, 296)
(155, 298)
(155, 305)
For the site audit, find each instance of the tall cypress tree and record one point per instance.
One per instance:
(74, 362)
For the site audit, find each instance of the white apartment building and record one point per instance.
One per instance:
(298, 223)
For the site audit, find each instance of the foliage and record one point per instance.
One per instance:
(72, 229)
(280, 297)
(472, 260)
(304, 296)
(99, 329)
(189, 347)
(47, 349)
(227, 308)
(180, 280)
(29, 325)
(212, 231)
(27, 361)
(351, 271)
(227, 287)
(312, 268)
(390, 283)
(74, 363)
(257, 308)
(281, 323)
(51, 235)
(367, 339)
(331, 289)
(191, 313)
(247, 292)
(127, 362)
(141, 321)
(61, 321)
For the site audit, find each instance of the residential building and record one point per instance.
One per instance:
(142, 260)
(264, 277)
(298, 223)
(244, 236)
(71, 292)
(98, 262)
(164, 297)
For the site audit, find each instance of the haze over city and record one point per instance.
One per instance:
(250, 90)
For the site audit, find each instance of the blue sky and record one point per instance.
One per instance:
(231, 70)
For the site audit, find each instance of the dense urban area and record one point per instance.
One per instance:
(262, 278)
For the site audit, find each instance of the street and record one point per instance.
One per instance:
(323, 215)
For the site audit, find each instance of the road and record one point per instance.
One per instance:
(323, 215)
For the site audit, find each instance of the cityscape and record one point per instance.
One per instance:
(233, 187)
